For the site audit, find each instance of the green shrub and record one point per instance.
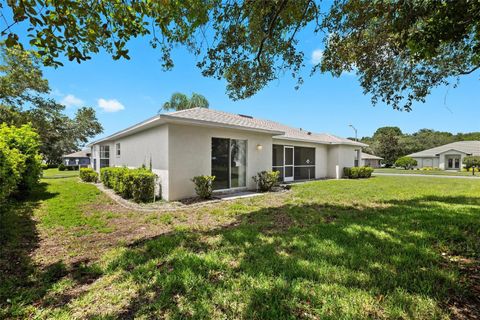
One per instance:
(472, 162)
(88, 175)
(266, 180)
(20, 163)
(203, 186)
(406, 163)
(61, 167)
(12, 165)
(136, 184)
(357, 172)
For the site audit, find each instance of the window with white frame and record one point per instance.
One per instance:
(104, 156)
(117, 149)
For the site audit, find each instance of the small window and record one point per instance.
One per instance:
(117, 148)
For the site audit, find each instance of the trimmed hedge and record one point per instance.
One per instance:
(136, 184)
(88, 175)
(20, 161)
(357, 172)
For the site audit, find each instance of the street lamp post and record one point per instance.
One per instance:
(357, 160)
(354, 129)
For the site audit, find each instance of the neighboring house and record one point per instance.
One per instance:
(370, 160)
(79, 158)
(447, 157)
(231, 147)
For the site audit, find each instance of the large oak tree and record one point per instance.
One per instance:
(399, 49)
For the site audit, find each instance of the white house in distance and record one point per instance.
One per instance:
(370, 160)
(231, 147)
(447, 157)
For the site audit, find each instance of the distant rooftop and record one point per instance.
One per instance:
(468, 147)
(367, 156)
(79, 154)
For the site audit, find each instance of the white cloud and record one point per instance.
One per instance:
(71, 101)
(317, 56)
(112, 105)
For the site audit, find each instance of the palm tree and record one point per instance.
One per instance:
(180, 101)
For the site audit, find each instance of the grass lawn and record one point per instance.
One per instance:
(55, 173)
(383, 248)
(429, 172)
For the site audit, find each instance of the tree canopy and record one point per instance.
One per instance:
(180, 101)
(24, 100)
(391, 143)
(400, 50)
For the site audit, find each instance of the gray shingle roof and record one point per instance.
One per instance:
(78, 154)
(468, 147)
(290, 133)
(370, 156)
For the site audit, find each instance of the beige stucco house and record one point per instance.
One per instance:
(447, 157)
(232, 147)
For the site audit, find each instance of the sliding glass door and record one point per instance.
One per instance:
(229, 163)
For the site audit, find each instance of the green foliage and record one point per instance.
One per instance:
(179, 101)
(341, 239)
(390, 143)
(357, 172)
(398, 57)
(401, 50)
(266, 180)
(62, 167)
(12, 165)
(137, 184)
(23, 100)
(203, 186)
(472, 162)
(249, 44)
(406, 163)
(88, 175)
(20, 162)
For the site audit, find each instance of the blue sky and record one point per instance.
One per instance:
(136, 89)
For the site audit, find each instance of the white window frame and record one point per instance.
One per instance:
(117, 150)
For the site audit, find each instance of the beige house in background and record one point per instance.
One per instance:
(370, 160)
(447, 157)
(231, 147)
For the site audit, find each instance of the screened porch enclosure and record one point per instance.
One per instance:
(293, 162)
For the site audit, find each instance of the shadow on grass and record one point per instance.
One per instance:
(301, 261)
(22, 281)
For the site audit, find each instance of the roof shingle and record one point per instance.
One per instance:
(468, 147)
(220, 117)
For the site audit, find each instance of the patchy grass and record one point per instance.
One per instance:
(427, 172)
(383, 248)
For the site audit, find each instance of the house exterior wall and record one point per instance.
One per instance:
(137, 150)
(339, 157)
(321, 159)
(190, 155)
(427, 162)
(444, 156)
(141, 148)
(179, 152)
(95, 157)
